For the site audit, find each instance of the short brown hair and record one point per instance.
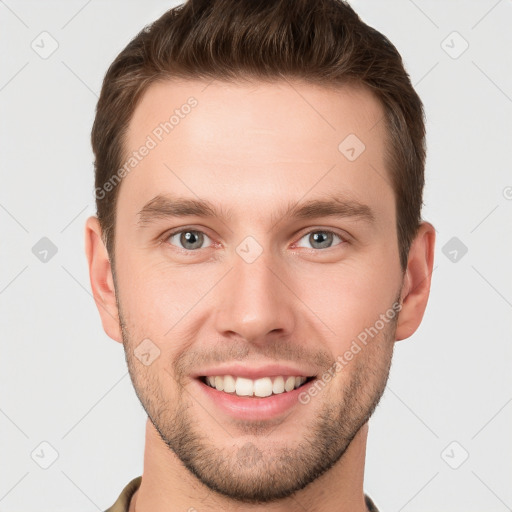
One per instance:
(322, 42)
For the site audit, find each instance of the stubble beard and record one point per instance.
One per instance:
(259, 469)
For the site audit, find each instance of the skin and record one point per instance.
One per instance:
(255, 149)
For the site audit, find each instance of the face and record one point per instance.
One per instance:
(257, 286)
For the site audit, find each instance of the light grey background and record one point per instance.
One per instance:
(64, 382)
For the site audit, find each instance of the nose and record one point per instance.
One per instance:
(256, 300)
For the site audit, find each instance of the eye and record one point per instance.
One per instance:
(321, 238)
(190, 239)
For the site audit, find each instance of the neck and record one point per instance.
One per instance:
(168, 486)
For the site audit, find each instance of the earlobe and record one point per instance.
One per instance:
(101, 279)
(417, 280)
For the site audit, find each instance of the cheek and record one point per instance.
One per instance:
(348, 298)
(157, 304)
(156, 295)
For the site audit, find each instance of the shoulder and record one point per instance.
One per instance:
(370, 505)
(122, 503)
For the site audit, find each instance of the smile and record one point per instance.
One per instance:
(262, 387)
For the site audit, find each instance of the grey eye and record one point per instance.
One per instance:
(321, 239)
(189, 239)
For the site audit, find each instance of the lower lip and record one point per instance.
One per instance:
(255, 408)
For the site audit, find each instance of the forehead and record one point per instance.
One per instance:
(256, 141)
(229, 110)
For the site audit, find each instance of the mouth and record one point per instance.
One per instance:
(261, 388)
(255, 394)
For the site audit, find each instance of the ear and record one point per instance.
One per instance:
(102, 282)
(416, 284)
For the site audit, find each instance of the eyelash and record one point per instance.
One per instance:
(168, 235)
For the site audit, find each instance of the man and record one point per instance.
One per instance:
(258, 249)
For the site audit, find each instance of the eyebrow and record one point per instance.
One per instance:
(168, 206)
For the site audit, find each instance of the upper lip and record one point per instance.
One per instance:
(255, 372)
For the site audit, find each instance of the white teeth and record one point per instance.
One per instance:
(262, 387)
(219, 383)
(278, 386)
(299, 381)
(289, 384)
(243, 387)
(229, 384)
